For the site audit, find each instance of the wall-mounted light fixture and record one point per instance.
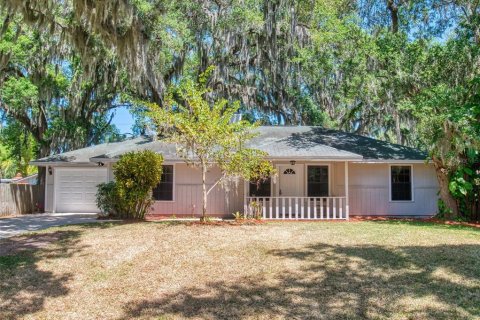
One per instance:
(100, 164)
(292, 162)
(50, 171)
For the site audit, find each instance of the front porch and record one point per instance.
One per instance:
(300, 208)
(308, 190)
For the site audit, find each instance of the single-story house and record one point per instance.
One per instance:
(321, 174)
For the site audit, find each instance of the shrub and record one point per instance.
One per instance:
(130, 196)
(254, 212)
(107, 200)
(238, 215)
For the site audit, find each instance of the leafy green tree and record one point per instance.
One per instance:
(44, 93)
(446, 113)
(19, 148)
(448, 124)
(7, 165)
(465, 186)
(205, 137)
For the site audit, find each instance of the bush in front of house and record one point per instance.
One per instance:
(130, 195)
(107, 199)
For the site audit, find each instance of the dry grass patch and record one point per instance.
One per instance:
(370, 270)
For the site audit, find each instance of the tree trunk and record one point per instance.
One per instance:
(393, 8)
(43, 152)
(398, 129)
(41, 180)
(204, 191)
(445, 195)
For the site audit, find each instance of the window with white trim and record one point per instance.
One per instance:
(164, 189)
(261, 188)
(317, 181)
(401, 183)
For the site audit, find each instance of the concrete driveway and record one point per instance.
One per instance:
(17, 225)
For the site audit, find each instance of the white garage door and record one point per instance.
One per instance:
(75, 189)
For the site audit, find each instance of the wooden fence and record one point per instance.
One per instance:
(16, 199)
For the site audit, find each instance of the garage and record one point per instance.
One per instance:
(76, 188)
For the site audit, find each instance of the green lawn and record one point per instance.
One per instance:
(369, 270)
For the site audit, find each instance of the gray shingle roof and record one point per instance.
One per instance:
(278, 141)
(327, 143)
(83, 155)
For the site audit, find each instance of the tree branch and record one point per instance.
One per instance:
(215, 184)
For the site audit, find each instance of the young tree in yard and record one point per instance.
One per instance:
(205, 137)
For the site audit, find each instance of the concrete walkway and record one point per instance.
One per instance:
(20, 224)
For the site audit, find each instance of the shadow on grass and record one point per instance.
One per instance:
(24, 286)
(339, 282)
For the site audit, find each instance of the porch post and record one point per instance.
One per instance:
(245, 190)
(346, 192)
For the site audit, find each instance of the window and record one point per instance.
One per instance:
(261, 189)
(401, 183)
(317, 181)
(164, 190)
(289, 171)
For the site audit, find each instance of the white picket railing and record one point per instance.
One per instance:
(300, 208)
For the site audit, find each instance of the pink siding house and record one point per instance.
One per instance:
(322, 174)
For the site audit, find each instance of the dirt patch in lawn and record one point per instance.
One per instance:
(15, 245)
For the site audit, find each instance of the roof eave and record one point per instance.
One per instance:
(313, 158)
(60, 163)
(95, 161)
(392, 161)
(113, 160)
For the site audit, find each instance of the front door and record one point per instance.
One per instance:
(290, 180)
